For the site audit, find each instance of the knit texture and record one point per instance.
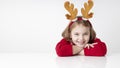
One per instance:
(64, 48)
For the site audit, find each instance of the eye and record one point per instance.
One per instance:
(76, 34)
(85, 33)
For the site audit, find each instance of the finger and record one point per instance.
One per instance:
(88, 46)
(95, 43)
(92, 46)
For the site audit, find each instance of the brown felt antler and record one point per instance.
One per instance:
(86, 9)
(70, 8)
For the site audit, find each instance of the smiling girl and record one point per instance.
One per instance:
(79, 38)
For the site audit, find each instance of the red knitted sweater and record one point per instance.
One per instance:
(64, 48)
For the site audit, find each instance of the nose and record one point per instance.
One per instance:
(81, 37)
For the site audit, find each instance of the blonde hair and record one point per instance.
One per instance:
(66, 33)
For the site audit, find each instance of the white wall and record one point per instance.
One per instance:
(36, 25)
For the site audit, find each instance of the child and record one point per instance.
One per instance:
(79, 38)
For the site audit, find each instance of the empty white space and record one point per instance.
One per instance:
(36, 25)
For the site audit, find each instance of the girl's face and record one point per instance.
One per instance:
(80, 35)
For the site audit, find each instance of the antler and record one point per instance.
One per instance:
(86, 9)
(70, 8)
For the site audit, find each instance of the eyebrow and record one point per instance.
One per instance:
(84, 32)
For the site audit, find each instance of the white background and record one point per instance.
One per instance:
(36, 25)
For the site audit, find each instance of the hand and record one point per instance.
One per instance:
(90, 45)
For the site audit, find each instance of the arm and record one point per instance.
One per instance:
(98, 50)
(64, 48)
(77, 50)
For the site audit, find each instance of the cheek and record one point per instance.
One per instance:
(73, 38)
(87, 38)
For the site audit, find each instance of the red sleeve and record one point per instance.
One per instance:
(98, 50)
(64, 48)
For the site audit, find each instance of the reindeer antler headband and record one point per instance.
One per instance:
(73, 11)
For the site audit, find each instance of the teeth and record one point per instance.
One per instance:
(81, 42)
